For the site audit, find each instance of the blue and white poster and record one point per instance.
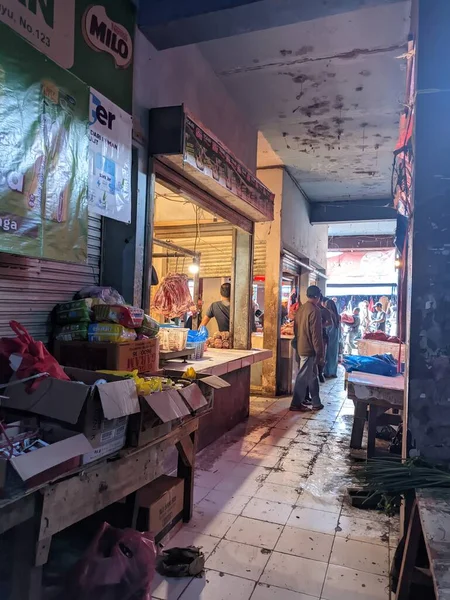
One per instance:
(110, 138)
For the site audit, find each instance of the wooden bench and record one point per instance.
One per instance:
(373, 396)
(430, 518)
(38, 514)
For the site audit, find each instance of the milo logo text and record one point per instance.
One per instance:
(104, 35)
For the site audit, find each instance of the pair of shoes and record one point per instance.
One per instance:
(317, 407)
(321, 379)
(307, 401)
(301, 408)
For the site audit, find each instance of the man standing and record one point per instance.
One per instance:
(308, 332)
(220, 310)
(379, 317)
(352, 331)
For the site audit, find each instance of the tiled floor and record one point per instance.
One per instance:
(272, 517)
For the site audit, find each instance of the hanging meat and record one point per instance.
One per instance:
(173, 298)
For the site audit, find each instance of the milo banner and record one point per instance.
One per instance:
(43, 155)
(93, 40)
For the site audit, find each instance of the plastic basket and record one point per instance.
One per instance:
(173, 339)
(199, 349)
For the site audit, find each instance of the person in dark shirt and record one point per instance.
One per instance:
(379, 317)
(220, 310)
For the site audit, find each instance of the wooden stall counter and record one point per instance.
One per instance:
(232, 404)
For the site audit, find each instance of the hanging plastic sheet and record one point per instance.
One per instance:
(43, 155)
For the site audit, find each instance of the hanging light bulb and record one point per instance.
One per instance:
(194, 267)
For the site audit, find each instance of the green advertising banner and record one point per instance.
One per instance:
(43, 155)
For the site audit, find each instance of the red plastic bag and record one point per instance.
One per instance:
(118, 565)
(35, 356)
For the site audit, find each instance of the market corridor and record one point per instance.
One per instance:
(271, 515)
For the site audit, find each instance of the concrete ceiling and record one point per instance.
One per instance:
(326, 95)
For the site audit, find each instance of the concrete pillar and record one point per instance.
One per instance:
(273, 179)
(428, 370)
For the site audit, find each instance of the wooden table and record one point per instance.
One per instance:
(430, 518)
(41, 513)
(376, 394)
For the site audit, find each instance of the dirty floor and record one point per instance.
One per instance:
(272, 517)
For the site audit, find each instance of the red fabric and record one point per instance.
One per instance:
(35, 357)
(347, 319)
(118, 565)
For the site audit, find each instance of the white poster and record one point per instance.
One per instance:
(49, 26)
(110, 159)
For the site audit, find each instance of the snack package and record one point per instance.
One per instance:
(74, 332)
(150, 327)
(144, 385)
(128, 316)
(110, 332)
(74, 312)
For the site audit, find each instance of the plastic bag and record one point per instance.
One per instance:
(201, 335)
(380, 364)
(110, 332)
(108, 294)
(35, 357)
(149, 327)
(181, 562)
(74, 312)
(128, 316)
(118, 565)
(73, 332)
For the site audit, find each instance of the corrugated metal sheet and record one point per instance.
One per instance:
(216, 256)
(30, 288)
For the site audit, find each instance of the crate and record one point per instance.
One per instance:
(142, 355)
(198, 349)
(173, 339)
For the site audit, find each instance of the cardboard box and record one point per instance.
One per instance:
(142, 355)
(161, 411)
(35, 468)
(100, 412)
(161, 506)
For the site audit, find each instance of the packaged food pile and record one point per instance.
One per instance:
(100, 314)
(221, 339)
(287, 329)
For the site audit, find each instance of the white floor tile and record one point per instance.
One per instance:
(278, 493)
(295, 465)
(269, 592)
(370, 558)
(363, 530)
(226, 502)
(219, 586)
(254, 532)
(313, 520)
(210, 523)
(265, 510)
(186, 537)
(307, 544)
(168, 589)
(249, 472)
(319, 501)
(238, 559)
(276, 439)
(286, 478)
(200, 493)
(263, 456)
(291, 433)
(238, 486)
(294, 573)
(345, 584)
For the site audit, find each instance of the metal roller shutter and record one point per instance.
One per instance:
(30, 288)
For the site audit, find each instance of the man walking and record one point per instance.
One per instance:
(308, 332)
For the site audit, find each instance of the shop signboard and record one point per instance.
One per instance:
(49, 25)
(372, 267)
(43, 155)
(109, 159)
(210, 158)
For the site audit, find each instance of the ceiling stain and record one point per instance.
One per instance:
(361, 172)
(365, 73)
(285, 52)
(304, 50)
(359, 88)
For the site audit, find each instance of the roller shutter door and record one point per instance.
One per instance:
(30, 288)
